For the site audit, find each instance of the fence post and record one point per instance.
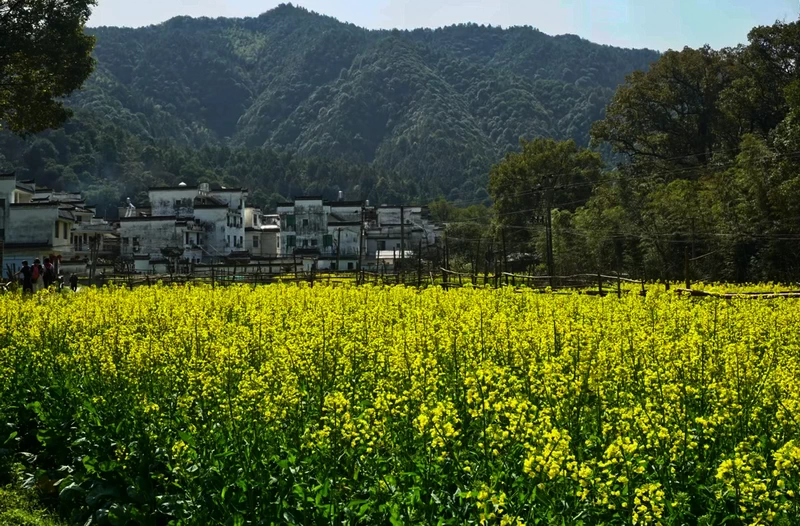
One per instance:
(686, 267)
(599, 285)
(475, 265)
(419, 265)
(619, 286)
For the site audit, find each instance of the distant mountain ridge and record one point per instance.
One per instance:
(431, 108)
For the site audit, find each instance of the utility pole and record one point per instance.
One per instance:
(361, 246)
(94, 249)
(338, 247)
(419, 265)
(444, 261)
(549, 231)
(402, 233)
(505, 252)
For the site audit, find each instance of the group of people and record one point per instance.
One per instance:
(37, 276)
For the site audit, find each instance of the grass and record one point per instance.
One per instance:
(20, 507)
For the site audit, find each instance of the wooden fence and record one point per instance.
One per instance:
(592, 284)
(422, 277)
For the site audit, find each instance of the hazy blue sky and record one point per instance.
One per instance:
(657, 24)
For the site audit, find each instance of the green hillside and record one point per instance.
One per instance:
(293, 102)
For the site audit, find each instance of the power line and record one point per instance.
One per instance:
(660, 174)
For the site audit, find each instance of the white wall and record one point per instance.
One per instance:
(33, 224)
(61, 234)
(391, 215)
(252, 217)
(268, 242)
(215, 222)
(349, 238)
(152, 234)
(234, 198)
(163, 201)
(8, 184)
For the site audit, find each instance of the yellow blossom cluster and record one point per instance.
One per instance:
(370, 405)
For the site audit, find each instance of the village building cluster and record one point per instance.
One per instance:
(185, 228)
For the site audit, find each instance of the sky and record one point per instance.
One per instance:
(654, 24)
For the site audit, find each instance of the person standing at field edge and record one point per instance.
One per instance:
(49, 273)
(73, 282)
(25, 272)
(37, 276)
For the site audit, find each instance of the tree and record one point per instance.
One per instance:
(44, 56)
(770, 63)
(712, 139)
(671, 116)
(546, 174)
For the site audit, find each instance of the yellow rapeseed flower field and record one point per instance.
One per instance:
(364, 405)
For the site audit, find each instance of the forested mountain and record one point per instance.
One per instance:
(293, 102)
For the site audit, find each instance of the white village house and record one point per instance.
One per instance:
(322, 233)
(398, 231)
(348, 235)
(184, 225)
(262, 237)
(184, 228)
(39, 223)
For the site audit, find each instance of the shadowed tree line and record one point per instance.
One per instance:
(709, 177)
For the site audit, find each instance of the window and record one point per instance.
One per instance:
(56, 230)
(3, 204)
(255, 241)
(124, 241)
(228, 241)
(85, 240)
(186, 236)
(350, 265)
(305, 242)
(381, 245)
(313, 242)
(305, 222)
(290, 241)
(290, 221)
(66, 230)
(327, 240)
